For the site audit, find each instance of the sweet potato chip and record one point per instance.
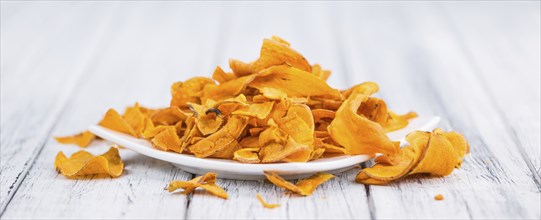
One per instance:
(82, 139)
(83, 163)
(357, 133)
(429, 152)
(265, 204)
(207, 182)
(276, 81)
(304, 187)
(169, 116)
(135, 118)
(189, 91)
(247, 155)
(228, 133)
(221, 76)
(258, 110)
(114, 121)
(168, 139)
(275, 51)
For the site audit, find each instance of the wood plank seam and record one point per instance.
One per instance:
(65, 100)
(188, 199)
(513, 133)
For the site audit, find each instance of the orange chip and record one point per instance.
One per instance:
(189, 91)
(222, 138)
(83, 163)
(167, 139)
(275, 51)
(265, 204)
(135, 118)
(304, 187)
(114, 121)
(357, 133)
(429, 152)
(82, 139)
(247, 155)
(207, 182)
(279, 81)
(169, 116)
(221, 76)
(258, 110)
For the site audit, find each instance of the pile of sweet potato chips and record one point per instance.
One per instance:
(277, 108)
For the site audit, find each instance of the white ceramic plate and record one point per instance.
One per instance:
(230, 169)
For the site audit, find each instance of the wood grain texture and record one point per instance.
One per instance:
(129, 69)
(39, 69)
(428, 57)
(477, 65)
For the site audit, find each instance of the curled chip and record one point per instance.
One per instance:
(82, 139)
(304, 187)
(83, 163)
(207, 182)
(265, 204)
(436, 153)
(357, 133)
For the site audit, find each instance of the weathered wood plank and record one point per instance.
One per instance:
(510, 73)
(148, 46)
(312, 35)
(38, 77)
(419, 62)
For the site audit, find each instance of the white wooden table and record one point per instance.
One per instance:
(476, 64)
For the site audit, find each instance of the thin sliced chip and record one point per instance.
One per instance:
(258, 110)
(304, 113)
(322, 74)
(304, 187)
(355, 132)
(429, 152)
(168, 139)
(135, 118)
(215, 190)
(189, 91)
(221, 76)
(292, 82)
(247, 155)
(229, 89)
(440, 158)
(169, 116)
(228, 133)
(114, 121)
(207, 182)
(82, 139)
(265, 204)
(275, 51)
(83, 163)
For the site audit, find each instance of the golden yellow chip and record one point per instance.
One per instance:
(357, 133)
(83, 163)
(275, 51)
(207, 182)
(114, 121)
(168, 139)
(429, 152)
(265, 204)
(279, 81)
(247, 155)
(304, 187)
(82, 139)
